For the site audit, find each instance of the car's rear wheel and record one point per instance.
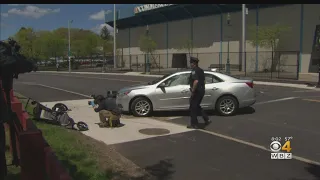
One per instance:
(227, 105)
(141, 107)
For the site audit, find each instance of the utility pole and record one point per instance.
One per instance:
(148, 52)
(69, 49)
(114, 37)
(243, 53)
(228, 43)
(318, 85)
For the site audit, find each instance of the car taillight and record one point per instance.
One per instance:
(250, 84)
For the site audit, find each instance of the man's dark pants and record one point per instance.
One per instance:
(195, 107)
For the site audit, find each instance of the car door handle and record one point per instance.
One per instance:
(214, 88)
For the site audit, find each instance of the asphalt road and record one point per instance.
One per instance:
(279, 112)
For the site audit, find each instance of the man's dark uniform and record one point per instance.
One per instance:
(108, 109)
(196, 98)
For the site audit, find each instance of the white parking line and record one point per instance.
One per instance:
(302, 159)
(304, 91)
(299, 158)
(275, 100)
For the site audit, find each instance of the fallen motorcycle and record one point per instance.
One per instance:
(58, 115)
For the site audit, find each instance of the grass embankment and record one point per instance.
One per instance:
(78, 153)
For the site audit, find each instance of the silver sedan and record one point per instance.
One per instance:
(224, 94)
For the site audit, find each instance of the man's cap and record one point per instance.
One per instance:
(194, 60)
(111, 93)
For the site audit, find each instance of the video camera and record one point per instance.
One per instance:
(12, 63)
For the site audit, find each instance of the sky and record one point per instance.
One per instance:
(52, 16)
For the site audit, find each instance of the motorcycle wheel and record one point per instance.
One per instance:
(82, 126)
(60, 107)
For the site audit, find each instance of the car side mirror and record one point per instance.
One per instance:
(162, 85)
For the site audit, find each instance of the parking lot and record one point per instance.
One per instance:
(229, 148)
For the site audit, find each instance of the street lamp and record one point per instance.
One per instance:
(69, 49)
(114, 37)
(228, 47)
(104, 52)
(318, 85)
(148, 50)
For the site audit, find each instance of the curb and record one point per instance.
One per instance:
(94, 73)
(281, 83)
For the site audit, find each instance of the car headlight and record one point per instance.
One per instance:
(124, 93)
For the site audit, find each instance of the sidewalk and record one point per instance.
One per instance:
(81, 111)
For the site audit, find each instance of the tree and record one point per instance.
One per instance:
(44, 45)
(268, 37)
(52, 45)
(90, 44)
(78, 48)
(148, 46)
(26, 38)
(187, 45)
(105, 34)
(105, 42)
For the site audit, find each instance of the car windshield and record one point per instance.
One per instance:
(158, 80)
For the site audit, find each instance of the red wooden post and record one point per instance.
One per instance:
(17, 107)
(55, 170)
(32, 156)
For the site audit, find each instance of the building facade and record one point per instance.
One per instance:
(214, 40)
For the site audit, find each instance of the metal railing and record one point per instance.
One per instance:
(261, 64)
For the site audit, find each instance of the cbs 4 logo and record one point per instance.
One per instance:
(276, 146)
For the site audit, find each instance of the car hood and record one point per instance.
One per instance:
(134, 87)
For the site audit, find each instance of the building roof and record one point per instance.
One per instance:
(127, 18)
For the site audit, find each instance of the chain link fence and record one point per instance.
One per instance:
(262, 64)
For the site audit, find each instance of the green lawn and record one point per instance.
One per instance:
(77, 152)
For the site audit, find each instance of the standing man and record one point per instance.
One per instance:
(57, 66)
(197, 88)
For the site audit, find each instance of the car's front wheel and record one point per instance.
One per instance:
(227, 105)
(141, 107)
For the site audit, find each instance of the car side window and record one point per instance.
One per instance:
(182, 79)
(209, 79)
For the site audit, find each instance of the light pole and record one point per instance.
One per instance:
(148, 50)
(228, 46)
(243, 53)
(104, 51)
(114, 37)
(69, 49)
(318, 85)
